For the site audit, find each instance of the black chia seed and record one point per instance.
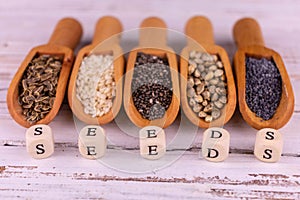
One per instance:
(151, 86)
(263, 87)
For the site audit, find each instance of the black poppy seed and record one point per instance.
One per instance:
(151, 86)
(263, 87)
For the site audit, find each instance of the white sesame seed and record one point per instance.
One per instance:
(95, 84)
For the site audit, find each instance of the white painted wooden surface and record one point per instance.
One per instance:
(66, 175)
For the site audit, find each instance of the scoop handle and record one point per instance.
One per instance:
(153, 32)
(199, 29)
(67, 33)
(247, 32)
(106, 27)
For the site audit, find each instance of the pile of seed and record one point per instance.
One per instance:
(37, 88)
(263, 87)
(151, 86)
(95, 84)
(206, 85)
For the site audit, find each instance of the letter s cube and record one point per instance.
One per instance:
(268, 145)
(39, 141)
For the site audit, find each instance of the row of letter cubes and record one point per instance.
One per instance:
(215, 145)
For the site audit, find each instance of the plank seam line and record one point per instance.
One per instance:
(193, 149)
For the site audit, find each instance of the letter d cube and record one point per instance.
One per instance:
(92, 142)
(152, 142)
(39, 141)
(268, 145)
(215, 144)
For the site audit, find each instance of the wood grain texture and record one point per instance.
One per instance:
(200, 38)
(153, 41)
(63, 40)
(106, 41)
(25, 24)
(248, 37)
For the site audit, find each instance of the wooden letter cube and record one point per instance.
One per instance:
(152, 142)
(92, 142)
(268, 145)
(39, 141)
(215, 144)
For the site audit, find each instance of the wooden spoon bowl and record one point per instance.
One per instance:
(249, 39)
(200, 38)
(105, 42)
(64, 39)
(152, 41)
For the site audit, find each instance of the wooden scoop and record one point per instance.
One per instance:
(105, 42)
(153, 35)
(64, 39)
(199, 33)
(249, 39)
